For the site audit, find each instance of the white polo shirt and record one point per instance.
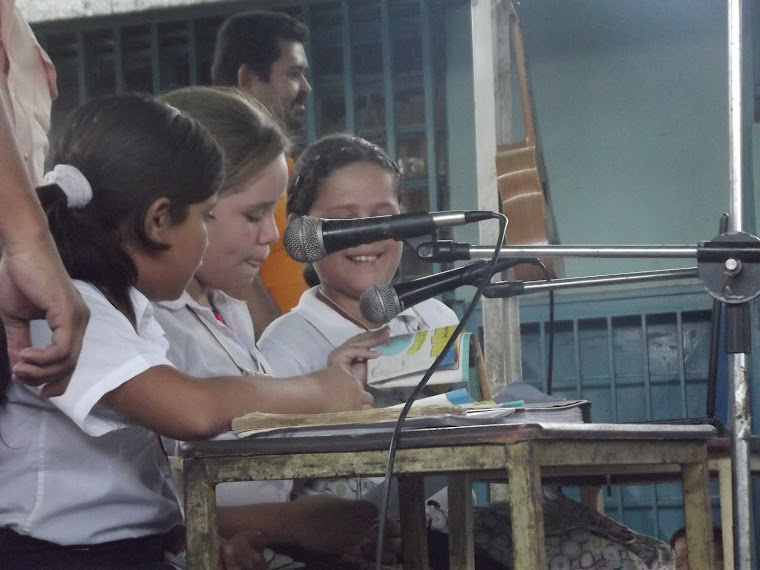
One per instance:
(73, 471)
(300, 341)
(203, 347)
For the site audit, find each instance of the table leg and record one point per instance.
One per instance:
(200, 518)
(413, 522)
(592, 498)
(726, 506)
(696, 502)
(526, 507)
(461, 546)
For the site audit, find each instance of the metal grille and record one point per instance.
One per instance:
(636, 356)
(376, 70)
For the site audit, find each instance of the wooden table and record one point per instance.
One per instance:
(522, 454)
(719, 462)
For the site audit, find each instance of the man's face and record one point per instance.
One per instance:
(286, 91)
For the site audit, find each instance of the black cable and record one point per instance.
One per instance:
(550, 350)
(715, 326)
(535, 261)
(418, 389)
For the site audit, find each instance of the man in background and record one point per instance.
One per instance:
(263, 54)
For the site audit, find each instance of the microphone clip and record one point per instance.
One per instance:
(442, 251)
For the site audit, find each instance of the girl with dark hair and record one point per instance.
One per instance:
(84, 482)
(343, 176)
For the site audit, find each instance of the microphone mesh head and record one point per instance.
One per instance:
(379, 304)
(301, 239)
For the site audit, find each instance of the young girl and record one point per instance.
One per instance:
(83, 479)
(342, 176)
(210, 333)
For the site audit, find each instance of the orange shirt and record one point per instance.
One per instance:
(281, 274)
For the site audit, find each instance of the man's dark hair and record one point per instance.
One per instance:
(252, 38)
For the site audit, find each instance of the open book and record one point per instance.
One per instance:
(405, 359)
(425, 413)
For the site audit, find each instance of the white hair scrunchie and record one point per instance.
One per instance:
(73, 183)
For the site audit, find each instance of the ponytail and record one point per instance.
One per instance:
(89, 251)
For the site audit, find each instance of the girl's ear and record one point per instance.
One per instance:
(158, 220)
(291, 217)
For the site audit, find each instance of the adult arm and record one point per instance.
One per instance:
(33, 281)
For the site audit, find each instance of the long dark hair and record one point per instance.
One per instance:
(133, 150)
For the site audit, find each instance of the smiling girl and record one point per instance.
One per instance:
(344, 176)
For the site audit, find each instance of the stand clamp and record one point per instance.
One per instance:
(729, 267)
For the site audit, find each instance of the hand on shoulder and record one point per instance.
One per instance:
(34, 285)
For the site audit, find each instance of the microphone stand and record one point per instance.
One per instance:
(728, 268)
(503, 289)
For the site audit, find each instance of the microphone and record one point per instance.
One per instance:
(308, 239)
(381, 303)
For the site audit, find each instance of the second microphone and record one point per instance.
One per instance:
(381, 303)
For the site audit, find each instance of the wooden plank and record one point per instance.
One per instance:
(526, 507)
(411, 496)
(461, 542)
(200, 516)
(501, 317)
(696, 505)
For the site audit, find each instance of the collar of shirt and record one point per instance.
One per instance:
(334, 327)
(221, 301)
(146, 325)
(236, 318)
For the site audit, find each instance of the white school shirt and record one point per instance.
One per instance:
(73, 471)
(201, 346)
(300, 341)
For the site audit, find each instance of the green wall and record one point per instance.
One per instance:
(631, 101)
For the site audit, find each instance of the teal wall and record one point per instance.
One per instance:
(632, 108)
(459, 116)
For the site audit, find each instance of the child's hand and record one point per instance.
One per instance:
(359, 347)
(391, 547)
(243, 551)
(354, 353)
(341, 389)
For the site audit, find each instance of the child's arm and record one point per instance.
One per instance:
(319, 523)
(357, 350)
(244, 551)
(186, 408)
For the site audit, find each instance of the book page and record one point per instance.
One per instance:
(405, 358)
